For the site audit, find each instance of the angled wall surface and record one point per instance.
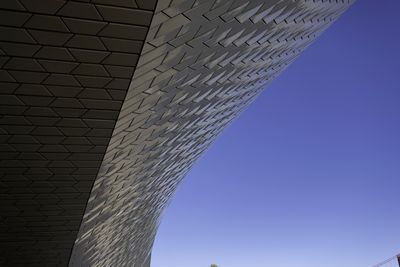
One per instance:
(65, 70)
(105, 105)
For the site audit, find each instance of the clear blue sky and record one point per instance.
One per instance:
(309, 174)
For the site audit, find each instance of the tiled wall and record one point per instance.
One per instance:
(203, 62)
(65, 70)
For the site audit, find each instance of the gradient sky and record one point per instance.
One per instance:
(309, 174)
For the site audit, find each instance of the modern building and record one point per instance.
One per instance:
(106, 104)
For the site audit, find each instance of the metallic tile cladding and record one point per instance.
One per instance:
(203, 62)
(65, 70)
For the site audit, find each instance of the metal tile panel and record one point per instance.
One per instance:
(65, 70)
(203, 62)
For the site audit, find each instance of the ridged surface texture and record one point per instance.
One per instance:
(202, 63)
(65, 70)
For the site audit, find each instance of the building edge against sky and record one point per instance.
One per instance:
(91, 156)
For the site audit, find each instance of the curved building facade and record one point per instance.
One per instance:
(105, 106)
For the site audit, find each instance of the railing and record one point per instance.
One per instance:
(392, 262)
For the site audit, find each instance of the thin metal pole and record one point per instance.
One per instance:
(390, 260)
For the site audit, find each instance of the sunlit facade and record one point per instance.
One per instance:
(105, 106)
